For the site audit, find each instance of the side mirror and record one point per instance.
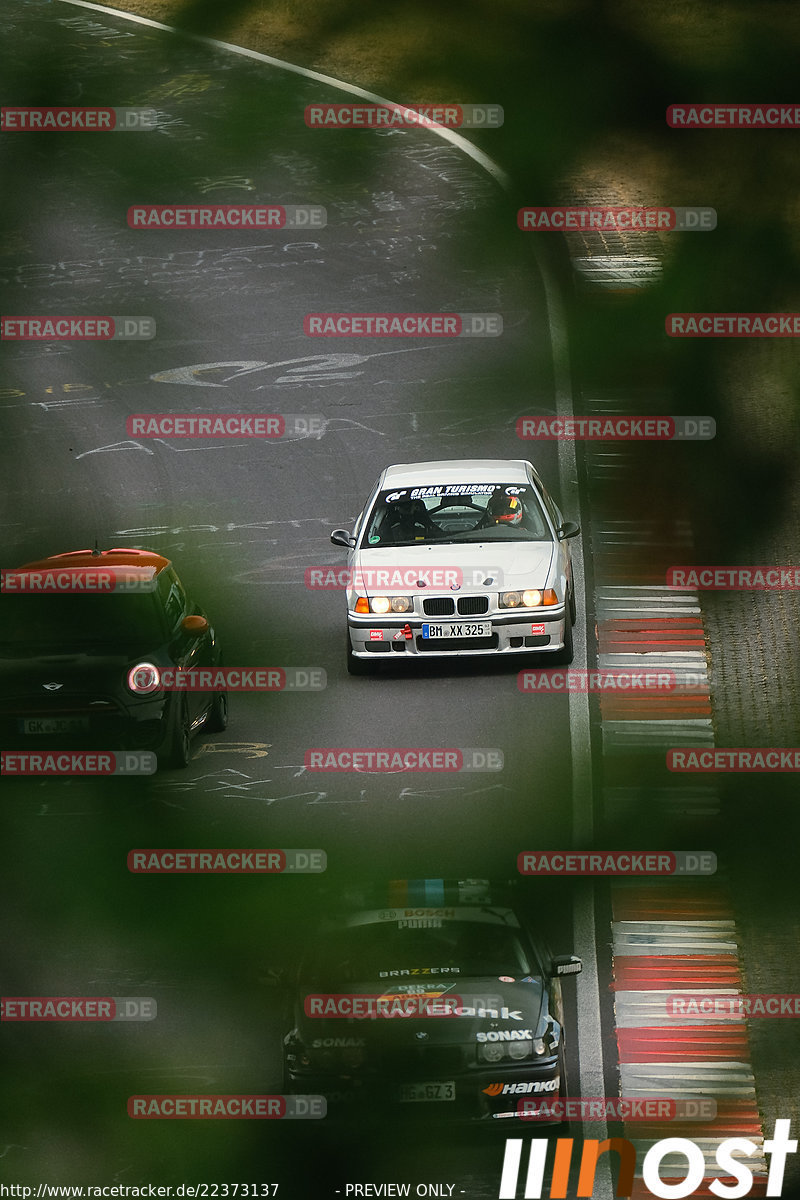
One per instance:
(568, 530)
(567, 964)
(340, 537)
(195, 626)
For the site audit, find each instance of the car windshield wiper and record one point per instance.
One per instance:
(392, 545)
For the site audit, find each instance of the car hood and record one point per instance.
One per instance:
(510, 565)
(520, 1006)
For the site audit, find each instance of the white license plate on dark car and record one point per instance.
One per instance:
(410, 1093)
(458, 629)
(55, 724)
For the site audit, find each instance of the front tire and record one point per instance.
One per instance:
(564, 657)
(356, 666)
(180, 742)
(217, 721)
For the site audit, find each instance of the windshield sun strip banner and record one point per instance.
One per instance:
(382, 916)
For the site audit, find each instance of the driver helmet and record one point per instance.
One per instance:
(504, 510)
(410, 510)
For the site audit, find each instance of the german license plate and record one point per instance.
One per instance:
(460, 629)
(413, 1093)
(54, 724)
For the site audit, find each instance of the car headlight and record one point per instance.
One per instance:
(144, 678)
(530, 598)
(384, 604)
(494, 1052)
(353, 1056)
(329, 1054)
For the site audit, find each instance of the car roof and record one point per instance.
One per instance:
(124, 561)
(457, 470)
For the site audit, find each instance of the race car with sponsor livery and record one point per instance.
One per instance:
(459, 557)
(85, 638)
(438, 1002)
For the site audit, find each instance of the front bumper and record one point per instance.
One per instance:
(80, 725)
(488, 1095)
(373, 636)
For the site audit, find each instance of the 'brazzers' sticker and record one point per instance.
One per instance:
(420, 971)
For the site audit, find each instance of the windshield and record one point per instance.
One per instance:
(456, 512)
(34, 624)
(382, 950)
